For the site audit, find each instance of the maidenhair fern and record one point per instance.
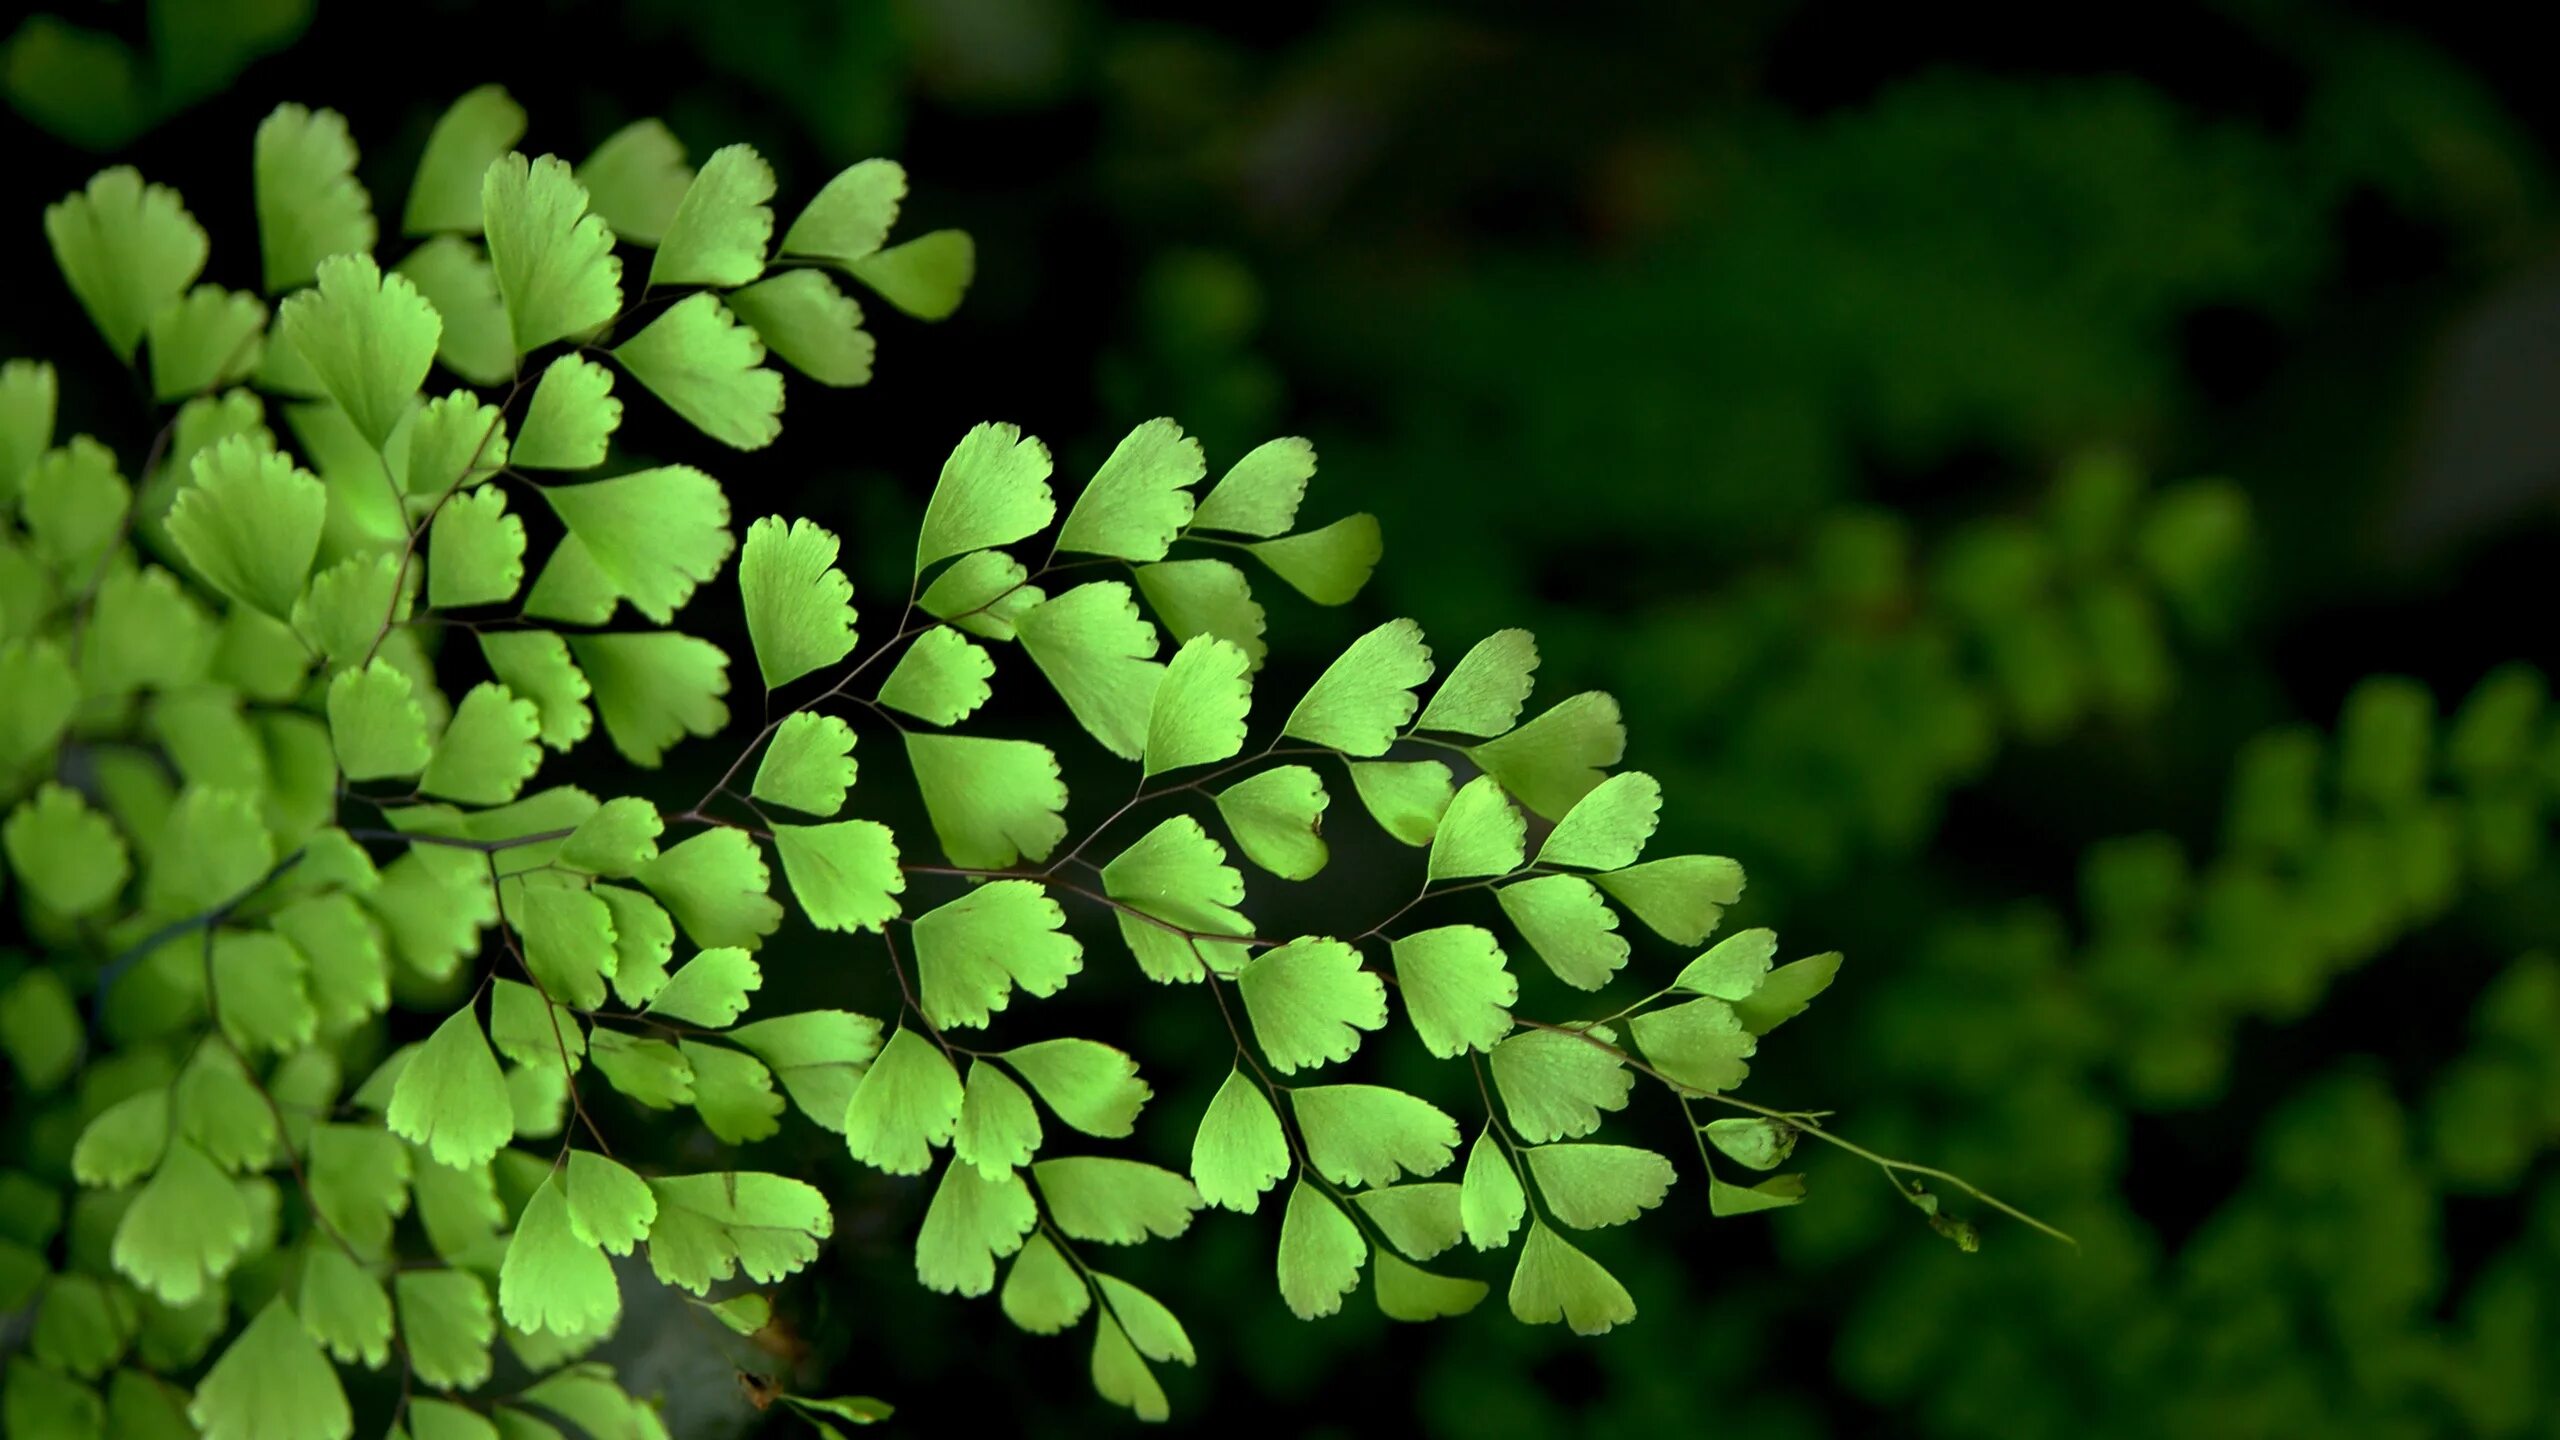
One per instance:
(271, 722)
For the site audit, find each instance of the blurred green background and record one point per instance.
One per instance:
(2067, 500)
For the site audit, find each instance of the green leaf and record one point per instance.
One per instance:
(975, 1219)
(722, 227)
(1115, 1202)
(1091, 1086)
(1259, 494)
(1328, 566)
(644, 936)
(1198, 714)
(474, 133)
(994, 490)
(1787, 991)
(1607, 828)
(1775, 1193)
(1564, 919)
(1407, 1293)
(457, 439)
(456, 279)
(941, 679)
(210, 339)
(367, 336)
(1151, 1328)
(999, 1128)
(553, 1280)
(1555, 1281)
(746, 1314)
(1681, 898)
(1139, 500)
(489, 749)
(475, 552)
(74, 505)
(983, 593)
(445, 1420)
(1321, 1253)
(1733, 969)
(1239, 1150)
(1480, 834)
(67, 855)
(568, 936)
(850, 218)
(218, 1107)
(1121, 1377)
(654, 689)
(1204, 597)
(1097, 653)
(637, 178)
(1277, 817)
(907, 1103)
(1701, 1044)
(1042, 1292)
(1406, 798)
(733, 1093)
(711, 990)
(184, 1230)
(572, 587)
(709, 369)
(845, 875)
(127, 248)
(992, 802)
(532, 1031)
(711, 1226)
(1589, 1186)
(29, 393)
(656, 534)
(1371, 1135)
(310, 207)
(451, 1097)
(122, 1142)
(802, 317)
(250, 524)
(971, 952)
(714, 884)
(926, 276)
(1760, 1144)
(569, 423)
(536, 665)
(272, 1384)
(799, 606)
(652, 1072)
(554, 261)
(818, 1055)
(1365, 697)
(265, 1002)
(808, 766)
(446, 1322)
(1308, 1001)
(1490, 1200)
(1556, 759)
(375, 723)
(1178, 875)
(344, 1307)
(84, 1325)
(1554, 1083)
(1456, 988)
(1421, 1220)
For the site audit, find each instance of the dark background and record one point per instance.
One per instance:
(1775, 363)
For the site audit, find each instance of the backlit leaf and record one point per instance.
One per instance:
(367, 336)
(309, 204)
(1555, 1281)
(1564, 919)
(1321, 1252)
(127, 249)
(926, 276)
(1490, 1200)
(1554, 1084)
(1239, 1151)
(637, 178)
(975, 1220)
(1557, 758)
(1406, 798)
(653, 689)
(941, 678)
(1309, 1000)
(816, 328)
(1259, 494)
(272, 1383)
(569, 423)
(999, 1127)
(971, 952)
(1365, 697)
(451, 1097)
(1733, 969)
(1097, 653)
(472, 134)
(1701, 1044)
(552, 1279)
(721, 228)
(1277, 817)
(1204, 597)
(1139, 500)
(1198, 715)
(554, 261)
(1329, 566)
(845, 875)
(1456, 988)
(656, 534)
(1681, 897)
(1480, 834)
(709, 369)
(850, 217)
(1115, 1202)
(808, 765)
(994, 490)
(1588, 1186)
(250, 524)
(907, 1103)
(1042, 1292)
(1372, 1135)
(992, 802)
(1091, 1086)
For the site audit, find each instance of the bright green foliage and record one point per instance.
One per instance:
(250, 524)
(908, 1103)
(1309, 1000)
(799, 606)
(569, 423)
(261, 827)
(709, 369)
(1456, 988)
(941, 679)
(468, 138)
(721, 228)
(1363, 699)
(1239, 1151)
(808, 765)
(367, 336)
(554, 261)
(1321, 1252)
(310, 207)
